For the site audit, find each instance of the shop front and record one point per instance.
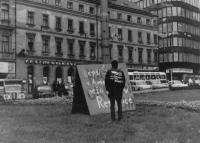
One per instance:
(7, 70)
(44, 72)
(181, 74)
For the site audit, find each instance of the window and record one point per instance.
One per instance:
(92, 31)
(139, 20)
(46, 20)
(120, 52)
(82, 51)
(120, 33)
(81, 8)
(81, 27)
(57, 2)
(5, 44)
(31, 44)
(139, 36)
(155, 39)
(130, 54)
(70, 25)
(45, 1)
(30, 17)
(5, 11)
(129, 35)
(58, 47)
(71, 48)
(109, 14)
(148, 22)
(140, 55)
(148, 56)
(46, 74)
(70, 5)
(92, 10)
(155, 57)
(119, 16)
(154, 22)
(92, 50)
(45, 45)
(58, 23)
(148, 38)
(169, 11)
(45, 39)
(129, 18)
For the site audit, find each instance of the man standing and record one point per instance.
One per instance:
(114, 83)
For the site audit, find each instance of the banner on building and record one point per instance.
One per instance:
(90, 95)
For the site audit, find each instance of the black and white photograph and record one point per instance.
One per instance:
(99, 71)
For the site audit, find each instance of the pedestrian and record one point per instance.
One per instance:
(114, 83)
(54, 87)
(58, 87)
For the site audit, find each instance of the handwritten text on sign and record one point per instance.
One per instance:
(93, 83)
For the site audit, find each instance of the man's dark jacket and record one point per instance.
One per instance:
(115, 83)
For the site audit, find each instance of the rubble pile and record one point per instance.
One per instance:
(46, 101)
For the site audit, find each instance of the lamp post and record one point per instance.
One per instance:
(105, 32)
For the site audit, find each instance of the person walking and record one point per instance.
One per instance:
(54, 87)
(115, 83)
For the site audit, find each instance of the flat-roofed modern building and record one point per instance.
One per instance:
(179, 36)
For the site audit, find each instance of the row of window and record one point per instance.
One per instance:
(70, 5)
(92, 10)
(179, 41)
(140, 36)
(147, 3)
(178, 26)
(58, 27)
(178, 11)
(179, 57)
(129, 18)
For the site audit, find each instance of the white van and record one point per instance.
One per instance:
(12, 89)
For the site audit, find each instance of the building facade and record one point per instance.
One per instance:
(7, 39)
(53, 36)
(179, 36)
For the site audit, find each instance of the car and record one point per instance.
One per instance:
(157, 84)
(139, 85)
(177, 83)
(43, 91)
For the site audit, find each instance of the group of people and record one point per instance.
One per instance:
(58, 88)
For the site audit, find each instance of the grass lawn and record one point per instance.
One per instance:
(175, 95)
(56, 124)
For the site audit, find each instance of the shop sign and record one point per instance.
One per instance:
(3, 67)
(43, 62)
(179, 70)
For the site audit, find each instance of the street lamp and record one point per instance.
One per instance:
(105, 32)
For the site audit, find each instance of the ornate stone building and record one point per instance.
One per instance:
(53, 36)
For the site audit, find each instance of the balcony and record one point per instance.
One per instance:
(71, 56)
(10, 56)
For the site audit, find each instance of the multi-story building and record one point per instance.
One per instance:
(53, 36)
(7, 39)
(179, 36)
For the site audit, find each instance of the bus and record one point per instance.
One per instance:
(146, 76)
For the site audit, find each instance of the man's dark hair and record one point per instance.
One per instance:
(114, 64)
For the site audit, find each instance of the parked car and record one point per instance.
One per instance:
(43, 91)
(177, 83)
(139, 85)
(157, 84)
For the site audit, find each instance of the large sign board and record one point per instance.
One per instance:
(92, 80)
